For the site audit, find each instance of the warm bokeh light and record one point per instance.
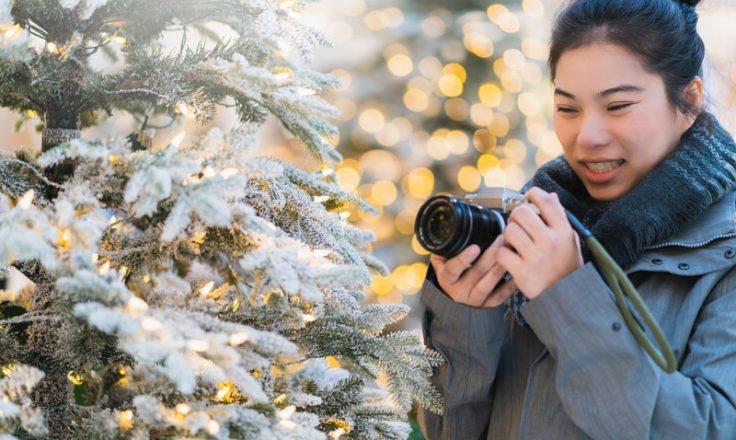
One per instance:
(486, 162)
(381, 165)
(514, 59)
(456, 109)
(457, 70)
(371, 120)
(478, 44)
(480, 114)
(450, 85)
(405, 222)
(416, 100)
(433, 26)
(468, 178)
(416, 247)
(490, 95)
(384, 192)
(534, 48)
(430, 67)
(420, 182)
(534, 8)
(515, 151)
(400, 64)
(348, 178)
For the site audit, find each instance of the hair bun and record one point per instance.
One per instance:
(692, 3)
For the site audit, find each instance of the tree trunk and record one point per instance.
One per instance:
(59, 127)
(54, 394)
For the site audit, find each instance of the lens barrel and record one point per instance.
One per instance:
(445, 225)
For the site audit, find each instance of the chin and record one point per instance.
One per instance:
(607, 194)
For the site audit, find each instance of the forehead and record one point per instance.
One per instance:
(599, 66)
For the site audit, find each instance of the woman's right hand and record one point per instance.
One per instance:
(472, 280)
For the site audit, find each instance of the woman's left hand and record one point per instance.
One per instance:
(539, 251)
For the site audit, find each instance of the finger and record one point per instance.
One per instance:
(437, 261)
(481, 266)
(530, 221)
(509, 259)
(501, 294)
(526, 216)
(550, 208)
(455, 266)
(481, 290)
(516, 236)
(576, 237)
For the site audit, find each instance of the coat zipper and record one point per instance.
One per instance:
(690, 246)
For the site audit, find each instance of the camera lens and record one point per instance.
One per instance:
(445, 225)
(440, 225)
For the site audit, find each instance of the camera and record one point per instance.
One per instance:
(446, 224)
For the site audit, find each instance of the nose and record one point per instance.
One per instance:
(593, 131)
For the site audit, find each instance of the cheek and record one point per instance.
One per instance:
(648, 146)
(566, 132)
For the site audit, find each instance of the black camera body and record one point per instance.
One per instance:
(446, 224)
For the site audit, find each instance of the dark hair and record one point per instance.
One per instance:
(661, 32)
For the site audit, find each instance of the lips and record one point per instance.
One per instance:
(602, 171)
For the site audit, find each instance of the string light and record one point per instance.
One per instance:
(227, 392)
(65, 238)
(207, 288)
(213, 427)
(183, 109)
(136, 305)
(178, 139)
(104, 269)
(26, 199)
(7, 370)
(75, 378)
(238, 339)
(198, 345)
(151, 324)
(125, 420)
(12, 32)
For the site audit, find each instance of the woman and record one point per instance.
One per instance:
(652, 175)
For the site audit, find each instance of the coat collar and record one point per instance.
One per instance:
(707, 244)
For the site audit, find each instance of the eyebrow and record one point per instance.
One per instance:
(603, 94)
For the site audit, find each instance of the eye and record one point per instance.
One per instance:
(613, 108)
(566, 110)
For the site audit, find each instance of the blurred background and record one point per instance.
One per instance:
(436, 96)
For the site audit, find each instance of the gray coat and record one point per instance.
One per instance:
(576, 372)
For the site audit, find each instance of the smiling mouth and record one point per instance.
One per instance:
(603, 167)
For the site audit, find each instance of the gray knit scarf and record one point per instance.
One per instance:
(697, 174)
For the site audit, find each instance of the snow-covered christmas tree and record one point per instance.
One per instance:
(197, 289)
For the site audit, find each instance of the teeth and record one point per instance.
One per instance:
(602, 167)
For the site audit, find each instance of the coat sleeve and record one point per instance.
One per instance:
(607, 383)
(470, 339)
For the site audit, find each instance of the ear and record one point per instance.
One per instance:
(694, 91)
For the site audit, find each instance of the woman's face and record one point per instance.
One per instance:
(612, 118)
